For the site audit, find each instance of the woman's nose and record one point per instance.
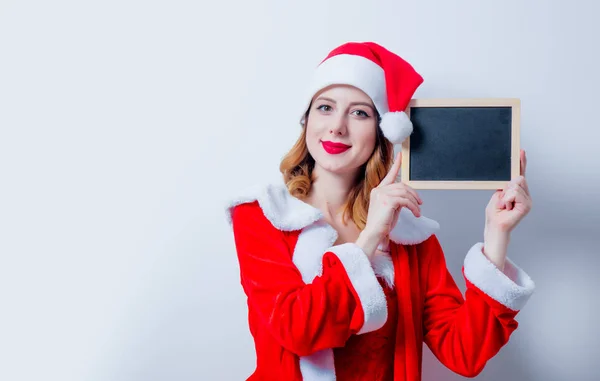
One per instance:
(339, 128)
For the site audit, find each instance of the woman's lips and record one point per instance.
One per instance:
(334, 148)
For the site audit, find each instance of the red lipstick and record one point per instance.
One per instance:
(334, 148)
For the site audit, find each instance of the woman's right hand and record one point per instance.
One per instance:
(386, 201)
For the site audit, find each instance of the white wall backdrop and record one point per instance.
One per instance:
(124, 125)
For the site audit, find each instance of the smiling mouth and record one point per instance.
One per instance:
(334, 148)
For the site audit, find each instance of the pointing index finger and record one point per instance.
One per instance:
(390, 178)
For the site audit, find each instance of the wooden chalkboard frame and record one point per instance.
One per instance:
(515, 105)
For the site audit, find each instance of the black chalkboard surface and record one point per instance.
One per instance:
(462, 143)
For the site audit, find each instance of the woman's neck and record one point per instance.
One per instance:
(329, 192)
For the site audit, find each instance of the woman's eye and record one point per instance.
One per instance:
(362, 113)
(324, 108)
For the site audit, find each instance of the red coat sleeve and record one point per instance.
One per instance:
(345, 299)
(465, 333)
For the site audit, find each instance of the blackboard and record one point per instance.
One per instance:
(462, 143)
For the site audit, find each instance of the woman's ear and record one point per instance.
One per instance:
(304, 119)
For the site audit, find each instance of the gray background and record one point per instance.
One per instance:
(125, 125)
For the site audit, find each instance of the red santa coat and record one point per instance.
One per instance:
(307, 296)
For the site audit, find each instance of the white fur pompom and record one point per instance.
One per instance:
(396, 126)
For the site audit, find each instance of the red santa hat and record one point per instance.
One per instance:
(385, 77)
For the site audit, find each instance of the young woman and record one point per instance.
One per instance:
(345, 278)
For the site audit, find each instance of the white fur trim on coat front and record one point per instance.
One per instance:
(313, 242)
(512, 288)
(317, 239)
(362, 277)
(320, 366)
(288, 213)
(283, 210)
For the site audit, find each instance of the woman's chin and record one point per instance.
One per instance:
(336, 166)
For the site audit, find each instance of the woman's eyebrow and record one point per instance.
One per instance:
(361, 103)
(351, 104)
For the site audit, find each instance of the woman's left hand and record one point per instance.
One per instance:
(509, 205)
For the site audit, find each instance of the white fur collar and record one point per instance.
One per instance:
(288, 213)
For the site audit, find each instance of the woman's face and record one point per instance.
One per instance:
(344, 115)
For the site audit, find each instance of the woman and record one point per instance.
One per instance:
(345, 279)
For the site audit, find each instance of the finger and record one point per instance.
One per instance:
(520, 182)
(500, 194)
(509, 198)
(391, 176)
(497, 198)
(399, 201)
(517, 197)
(521, 186)
(409, 189)
(523, 160)
(523, 183)
(522, 196)
(395, 192)
(414, 208)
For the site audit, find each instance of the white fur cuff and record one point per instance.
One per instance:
(512, 288)
(362, 276)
